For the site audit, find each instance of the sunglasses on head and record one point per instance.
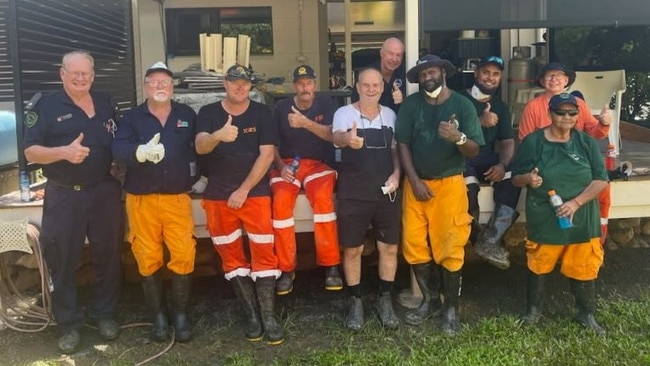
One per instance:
(564, 112)
(495, 59)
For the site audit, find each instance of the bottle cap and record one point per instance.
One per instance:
(551, 192)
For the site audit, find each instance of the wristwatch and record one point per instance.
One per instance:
(463, 139)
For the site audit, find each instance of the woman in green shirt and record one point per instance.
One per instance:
(568, 161)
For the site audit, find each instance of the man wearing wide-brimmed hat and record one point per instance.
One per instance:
(555, 78)
(436, 129)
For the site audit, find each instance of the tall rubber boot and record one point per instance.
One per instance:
(586, 304)
(474, 210)
(452, 282)
(180, 298)
(266, 296)
(428, 279)
(152, 287)
(488, 245)
(245, 291)
(534, 296)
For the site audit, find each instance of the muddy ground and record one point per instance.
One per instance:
(312, 317)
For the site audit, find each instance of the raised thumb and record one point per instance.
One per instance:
(535, 171)
(155, 139)
(354, 128)
(229, 120)
(78, 139)
(488, 107)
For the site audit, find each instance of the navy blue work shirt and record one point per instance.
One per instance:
(175, 173)
(56, 121)
(386, 98)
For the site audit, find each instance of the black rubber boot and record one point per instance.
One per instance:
(284, 284)
(245, 291)
(180, 297)
(586, 304)
(355, 314)
(333, 281)
(474, 210)
(152, 287)
(387, 314)
(266, 297)
(452, 282)
(488, 245)
(428, 279)
(534, 296)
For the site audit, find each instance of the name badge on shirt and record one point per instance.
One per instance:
(180, 123)
(64, 117)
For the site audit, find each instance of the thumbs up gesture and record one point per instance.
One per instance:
(297, 119)
(397, 95)
(534, 180)
(488, 118)
(354, 141)
(448, 130)
(605, 116)
(227, 133)
(152, 151)
(77, 153)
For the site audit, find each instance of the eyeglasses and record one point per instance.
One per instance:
(371, 139)
(494, 59)
(82, 75)
(564, 112)
(156, 83)
(554, 76)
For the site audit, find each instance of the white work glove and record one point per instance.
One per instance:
(153, 150)
(199, 186)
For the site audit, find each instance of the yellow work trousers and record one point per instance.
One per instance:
(443, 218)
(579, 261)
(155, 219)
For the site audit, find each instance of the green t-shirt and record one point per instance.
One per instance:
(568, 168)
(503, 129)
(417, 127)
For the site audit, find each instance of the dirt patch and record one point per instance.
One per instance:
(312, 318)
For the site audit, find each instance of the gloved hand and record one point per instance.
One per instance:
(153, 150)
(199, 186)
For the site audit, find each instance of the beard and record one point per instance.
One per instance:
(486, 90)
(161, 97)
(431, 84)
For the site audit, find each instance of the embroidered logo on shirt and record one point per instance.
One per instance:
(64, 117)
(180, 123)
(110, 126)
(30, 119)
(574, 157)
(250, 130)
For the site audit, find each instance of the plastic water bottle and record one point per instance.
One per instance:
(610, 157)
(556, 201)
(295, 164)
(23, 182)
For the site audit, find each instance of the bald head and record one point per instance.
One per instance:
(392, 54)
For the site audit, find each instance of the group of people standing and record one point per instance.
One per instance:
(409, 168)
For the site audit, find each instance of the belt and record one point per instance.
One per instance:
(74, 187)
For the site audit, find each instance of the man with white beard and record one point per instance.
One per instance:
(155, 142)
(492, 163)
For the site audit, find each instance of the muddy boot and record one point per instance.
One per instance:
(245, 291)
(534, 296)
(69, 341)
(488, 244)
(284, 284)
(452, 283)
(333, 281)
(387, 314)
(586, 304)
(474, 210)
(355, 314)
(266, 297)
(428, 279)
(152, 287)
(180, 298)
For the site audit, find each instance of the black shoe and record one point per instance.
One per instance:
(333, 281)
(284, 284)
(69, 341)
(387, 314)
(355, 314)
(108, 329)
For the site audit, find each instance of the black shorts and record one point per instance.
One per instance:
(354, 217)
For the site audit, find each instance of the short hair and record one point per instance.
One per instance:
(83, 53)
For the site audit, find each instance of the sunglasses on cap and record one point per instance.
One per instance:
(239, 73)
(564, 112)
(495, 59)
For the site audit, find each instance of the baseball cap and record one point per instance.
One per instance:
(158, 66)
(562, 98)
(303, 71)
(238, 72)
(494, 60)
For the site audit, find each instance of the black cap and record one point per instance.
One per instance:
(492, 60)
(238, 72)
(427, 61)
(562, 98)
(303, 71)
